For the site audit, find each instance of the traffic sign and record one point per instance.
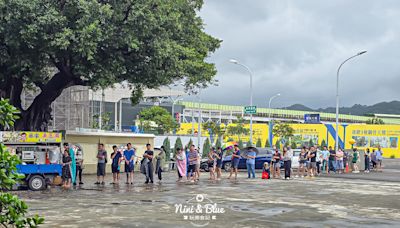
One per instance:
(250, 109)
(312, 118)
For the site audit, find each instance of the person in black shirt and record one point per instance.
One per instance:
(66, 167)
(148, 162)
(312, 158)
(332, 157)
(276, 163)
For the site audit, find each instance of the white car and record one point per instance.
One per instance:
(295, 159)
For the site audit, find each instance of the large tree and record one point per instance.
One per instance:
(55, 44)
(238, 128)
(157, 119)
(215, 130)
(13, 211)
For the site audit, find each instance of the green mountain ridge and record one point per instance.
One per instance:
(392, 107)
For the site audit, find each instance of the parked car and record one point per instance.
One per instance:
(295, 159)
(204, 165)
(264, 155)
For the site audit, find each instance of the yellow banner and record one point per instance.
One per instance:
(30, 137)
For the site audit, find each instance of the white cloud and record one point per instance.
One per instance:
(295, 47)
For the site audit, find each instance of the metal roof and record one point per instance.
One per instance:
(124, 91)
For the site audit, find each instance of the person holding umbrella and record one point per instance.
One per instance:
(235, 161)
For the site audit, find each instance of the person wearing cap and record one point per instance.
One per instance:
(235, 161)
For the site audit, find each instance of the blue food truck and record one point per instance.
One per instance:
(40, 153)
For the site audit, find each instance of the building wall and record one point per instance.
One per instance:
(89, 144)
(129, 112)
(366, 136)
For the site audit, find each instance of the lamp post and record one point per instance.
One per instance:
(251, 95)
(270, 124)
(337, 97)
(199, 123)
(269, 104)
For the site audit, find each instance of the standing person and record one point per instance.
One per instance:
(101, 164)
(276, 166)
(287, 161)
(66, 167)
(302, 162)
(373, 159)
(79, 164)
(379, 158)
(355, 159)
(198, 164)
(367, 155)
(325, 159)
(318, 159)
(235, 161)
(160, 161)
(211, 163)
(218, 166)
(312, 161)
(180, 163)
(193, 157)
(251, 164)
(129, 156)
(148, 163)
(339, 161)
(116, 158)
(332, 160)
(346, 159)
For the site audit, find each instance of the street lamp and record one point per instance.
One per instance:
(269, 104)
(251, 94)
(337, 97)
(199, 122)
(269, 119)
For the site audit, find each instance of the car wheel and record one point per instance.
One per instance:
(36, 183)
(227, 166)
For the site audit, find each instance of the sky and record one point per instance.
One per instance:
(295, 47)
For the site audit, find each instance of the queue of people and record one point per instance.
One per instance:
(312, 162)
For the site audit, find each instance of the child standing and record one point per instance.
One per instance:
(355, 160)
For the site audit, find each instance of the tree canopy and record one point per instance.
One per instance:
(238, 128)
(53, 45)
(283, 130)
(13, 211)
(158, 119)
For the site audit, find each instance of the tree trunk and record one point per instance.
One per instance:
(12, 89)
(38, 115)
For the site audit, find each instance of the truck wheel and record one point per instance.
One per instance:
(36, 183)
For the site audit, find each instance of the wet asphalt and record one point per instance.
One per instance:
(335, 201)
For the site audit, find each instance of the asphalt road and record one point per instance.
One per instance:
(323, 201)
